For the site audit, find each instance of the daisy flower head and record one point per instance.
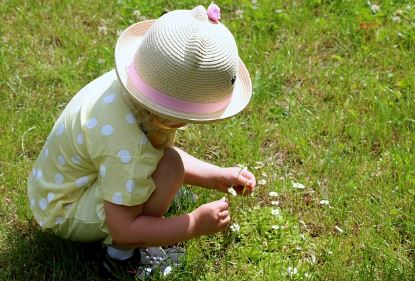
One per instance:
(235, 227)
(232, 191)
(298, 185)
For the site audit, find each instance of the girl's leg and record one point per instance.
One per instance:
(168, 178)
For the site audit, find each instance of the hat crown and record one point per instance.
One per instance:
(186, 56)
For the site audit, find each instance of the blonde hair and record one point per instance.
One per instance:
(155, 127)
(160, 131)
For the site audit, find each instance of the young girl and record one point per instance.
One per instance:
(108, 170)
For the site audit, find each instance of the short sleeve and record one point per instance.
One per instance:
(125, 178)
(120, 151)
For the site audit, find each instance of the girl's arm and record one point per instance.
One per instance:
(128, 227)
(200, 173)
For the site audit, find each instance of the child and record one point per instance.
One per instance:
(108, 170)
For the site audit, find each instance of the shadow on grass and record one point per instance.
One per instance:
(32, 254)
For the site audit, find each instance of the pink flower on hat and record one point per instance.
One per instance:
(214, 12)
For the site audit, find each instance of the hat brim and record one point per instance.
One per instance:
(125, 49)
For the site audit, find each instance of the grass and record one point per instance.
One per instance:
(333, 109)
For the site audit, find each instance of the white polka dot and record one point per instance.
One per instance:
(46, 152)
(38, 174)
(59, 178)
(91, 123)
(60, 129)
(130, 185)
(80, 138)
(32, 203)
(50, 196)
(59, 220)
(124, 156)
(144, 139)
(109, 99)
(43, 203)
(76, 159)
(130, 118)
(117, 198)
(107, 130)
(102, 170)
(61, 160)
(82, 181)
(167, 271)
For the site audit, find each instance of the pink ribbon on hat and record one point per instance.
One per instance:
(172, 102)
(213, 12)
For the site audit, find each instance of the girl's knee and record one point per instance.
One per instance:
(170, 168)
(168, 178)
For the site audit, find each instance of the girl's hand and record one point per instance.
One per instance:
(211, 217)
(243, 181)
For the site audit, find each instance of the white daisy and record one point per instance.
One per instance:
(235, 227)
(298, 185)
(232, 191)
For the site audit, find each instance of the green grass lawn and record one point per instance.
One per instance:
(333, 109)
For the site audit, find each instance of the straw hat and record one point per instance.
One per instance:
(184, 66)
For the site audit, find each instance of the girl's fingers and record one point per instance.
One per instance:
(244, 190)
(248, 183)
(226, 221)
(223, 204)
(249, 178)
(241, 180)
(223, 215)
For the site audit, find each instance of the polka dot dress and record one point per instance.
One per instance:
(96, 140)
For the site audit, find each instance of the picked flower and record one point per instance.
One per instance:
(273, 194)
(275, 203)
(213, 12)
(298, 185)
(235, 227)
(232, 191)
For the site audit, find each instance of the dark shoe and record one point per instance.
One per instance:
(122, 268)
(145, 262)
(156, 259)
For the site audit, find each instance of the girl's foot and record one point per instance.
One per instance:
(145, 262)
